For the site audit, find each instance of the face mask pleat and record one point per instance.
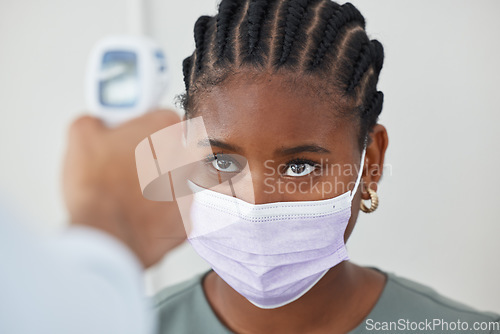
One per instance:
(266, 260)
(265, 279)
(283, 235)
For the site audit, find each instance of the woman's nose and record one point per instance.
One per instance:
(256, 187)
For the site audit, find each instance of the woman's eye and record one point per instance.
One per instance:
(299, 169)
(225, 165)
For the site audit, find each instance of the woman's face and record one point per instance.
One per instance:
(295, 145)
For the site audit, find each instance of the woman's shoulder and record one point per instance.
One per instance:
(177, 292)
(405, 303)
(183, 308)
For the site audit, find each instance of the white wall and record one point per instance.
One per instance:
(437, 222)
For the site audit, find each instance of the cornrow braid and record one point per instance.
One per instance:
(370, 113)
(339, 17)
(186, 69)
(361, 66)
(375, 106)
(256, 32)
(225, 20)
(255, 16)
(318, 38)
(296, 12)
(377, 52)
(200, 29)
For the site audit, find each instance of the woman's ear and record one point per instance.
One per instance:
(374, 159)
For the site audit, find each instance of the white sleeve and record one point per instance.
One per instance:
(83, 281)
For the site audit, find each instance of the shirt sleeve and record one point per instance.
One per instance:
(82, 281)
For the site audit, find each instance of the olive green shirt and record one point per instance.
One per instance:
(404, 306)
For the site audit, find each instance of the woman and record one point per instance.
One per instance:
(287, 89)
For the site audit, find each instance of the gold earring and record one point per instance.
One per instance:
(373, 200)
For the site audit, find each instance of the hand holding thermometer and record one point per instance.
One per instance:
(126, 77)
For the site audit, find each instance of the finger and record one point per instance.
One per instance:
(152, 121)
(85, 126)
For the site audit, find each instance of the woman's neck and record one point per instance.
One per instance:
(338, 303)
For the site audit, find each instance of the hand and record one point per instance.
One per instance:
(101, 187)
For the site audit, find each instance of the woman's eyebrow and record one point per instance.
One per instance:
(281, 151)
(220, 144)
(302, 148)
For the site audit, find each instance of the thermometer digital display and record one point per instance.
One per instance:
(126, 77)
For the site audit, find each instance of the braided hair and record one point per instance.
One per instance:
(317, 38)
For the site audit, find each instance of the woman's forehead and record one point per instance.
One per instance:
(269, 113)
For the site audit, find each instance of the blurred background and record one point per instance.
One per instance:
(438, 219)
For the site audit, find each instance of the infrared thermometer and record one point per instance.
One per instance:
(126, 77)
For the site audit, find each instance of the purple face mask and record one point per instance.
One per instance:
(271, 253)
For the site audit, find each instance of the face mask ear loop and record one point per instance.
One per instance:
(360, 172)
